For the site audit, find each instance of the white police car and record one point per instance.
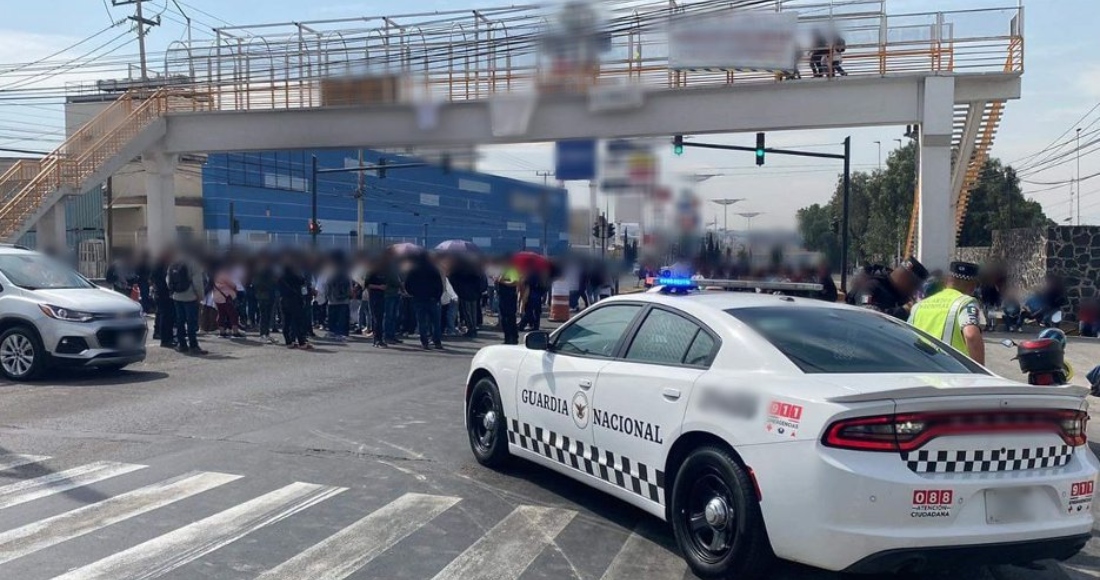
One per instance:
(761, 425)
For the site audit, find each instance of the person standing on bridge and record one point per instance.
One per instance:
(952, 314)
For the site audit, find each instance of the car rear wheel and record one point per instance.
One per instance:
(716, 517)
(486, 424)
(22, 357)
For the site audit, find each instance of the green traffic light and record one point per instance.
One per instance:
(678, 149)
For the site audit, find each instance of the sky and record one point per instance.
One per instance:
(1060, 84)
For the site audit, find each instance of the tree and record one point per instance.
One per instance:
(997, 203)
(881, 203)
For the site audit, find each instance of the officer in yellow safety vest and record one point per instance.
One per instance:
(952, 314)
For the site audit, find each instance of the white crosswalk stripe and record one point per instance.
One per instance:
(506, 550)
(174, 549)
(641, 557)
(85, 520)
(12, 461)
(348, 550)
(509, 547)
(62, 481)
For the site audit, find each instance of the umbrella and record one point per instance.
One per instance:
(458, 246)
(530, 261)
(405, 248)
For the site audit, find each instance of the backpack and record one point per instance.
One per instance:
(179, 277)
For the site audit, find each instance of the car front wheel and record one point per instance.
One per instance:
(716, 517)
(485, 424)
(22, 357)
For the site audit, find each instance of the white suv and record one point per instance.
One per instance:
(51, 316)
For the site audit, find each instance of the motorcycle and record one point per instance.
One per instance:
(1042, 358)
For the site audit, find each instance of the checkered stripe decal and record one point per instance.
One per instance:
(630, 475)
(987, 460)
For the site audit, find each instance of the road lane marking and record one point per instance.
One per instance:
(174, 549)
(10, 461)
(78, 522)
(62, 481)
(353, 547)
(643, 558)
(507, 549)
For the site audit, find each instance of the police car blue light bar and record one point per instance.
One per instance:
(675, 282)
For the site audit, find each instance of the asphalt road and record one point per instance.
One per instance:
(248, 461)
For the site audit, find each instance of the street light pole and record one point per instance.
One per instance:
(879, 143)
(726, 202)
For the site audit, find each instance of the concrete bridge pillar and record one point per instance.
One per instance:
(936, 216)
(50, 230)
(160, 192)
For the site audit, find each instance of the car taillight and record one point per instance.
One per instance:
(910, 431)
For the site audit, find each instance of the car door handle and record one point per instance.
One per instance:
(670, 394)
(586, 384)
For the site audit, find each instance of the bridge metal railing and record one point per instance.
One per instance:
(469, 55)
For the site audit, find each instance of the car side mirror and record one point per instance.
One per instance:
(537, 340)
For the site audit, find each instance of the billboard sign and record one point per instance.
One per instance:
(734, 41)
(576, 159)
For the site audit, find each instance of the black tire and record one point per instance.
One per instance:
(22, 356)
(488, 434)
(734, 546)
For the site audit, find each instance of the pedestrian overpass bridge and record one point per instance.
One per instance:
(477, 77)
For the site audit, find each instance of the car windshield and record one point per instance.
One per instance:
(828, 340)
(37, 272)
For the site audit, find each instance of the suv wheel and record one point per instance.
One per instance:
(22, 357)
(716, 517)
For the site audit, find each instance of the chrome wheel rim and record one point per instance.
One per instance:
(17, 355)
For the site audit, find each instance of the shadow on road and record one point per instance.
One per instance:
(84, 494)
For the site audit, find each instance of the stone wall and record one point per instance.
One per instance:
(1073, 253)
(1029, 254)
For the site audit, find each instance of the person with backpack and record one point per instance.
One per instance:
(185, 280)
(337, 295)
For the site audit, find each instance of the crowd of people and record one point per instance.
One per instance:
(292, 297)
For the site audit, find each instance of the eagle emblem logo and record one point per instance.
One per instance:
(580, 410)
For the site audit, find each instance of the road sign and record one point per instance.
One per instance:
(576, 159)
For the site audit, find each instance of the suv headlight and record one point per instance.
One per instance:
(66, 314)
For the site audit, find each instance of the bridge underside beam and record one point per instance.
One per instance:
(802, 105)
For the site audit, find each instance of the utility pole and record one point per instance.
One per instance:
(313, 205)
(109, 232)
(844, 214)
(1078, 176)
(543, 204)
(360, 193)
(141, 22)
(232, 224)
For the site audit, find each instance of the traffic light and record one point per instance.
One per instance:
(314, 227)
(759, 148)
(597, 230)
(381, 168)
(610, 231)
(678, 144)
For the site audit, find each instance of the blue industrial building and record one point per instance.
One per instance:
(426, 205)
